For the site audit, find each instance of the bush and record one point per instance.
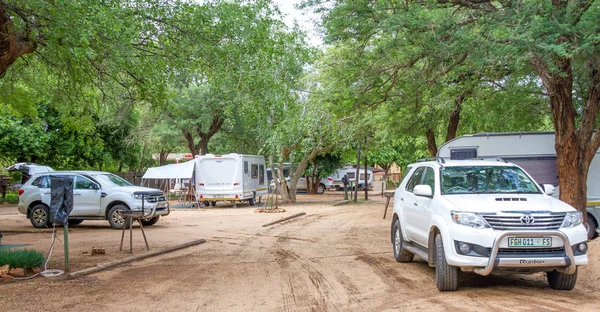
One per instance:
(21, 258)
(10, 198)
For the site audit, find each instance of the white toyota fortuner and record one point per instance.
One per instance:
(485, 216)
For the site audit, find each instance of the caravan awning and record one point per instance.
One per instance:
(174, 171)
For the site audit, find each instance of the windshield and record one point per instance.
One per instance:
(486, 179)
(111, 180)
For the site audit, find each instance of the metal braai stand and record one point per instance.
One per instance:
(134, 215)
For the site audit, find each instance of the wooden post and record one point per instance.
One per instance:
(66, 239)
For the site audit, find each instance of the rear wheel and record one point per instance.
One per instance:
(561, 281)
(40, 216)
(320, 189)
(213, 203)
(206, 203)
(446, 276)
(115, 219)
(150, 221)
(401, 255)
(251, 202)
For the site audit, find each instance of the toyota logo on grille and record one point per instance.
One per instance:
(527, 219)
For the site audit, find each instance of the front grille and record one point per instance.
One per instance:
(154, 198)
(548, 250)
(514, 221)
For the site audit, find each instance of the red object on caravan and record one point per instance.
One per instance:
(201, 196)
(188, 155)
(236, 197)
(201, 184)
(236, 184)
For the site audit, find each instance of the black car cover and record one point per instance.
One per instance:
(61, 199)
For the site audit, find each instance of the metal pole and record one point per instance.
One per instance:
(66, 234)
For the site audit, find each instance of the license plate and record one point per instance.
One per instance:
(530, 242)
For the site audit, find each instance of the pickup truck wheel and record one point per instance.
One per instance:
(40, 216)
(150, 221)
(115, 219)
(75, 222)
(446, 276)
(561, 281)
(320, 189)
(401, 255)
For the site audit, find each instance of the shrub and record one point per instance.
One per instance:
(21, 258)
(10, 198)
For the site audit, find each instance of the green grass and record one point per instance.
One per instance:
(10, 198)
(21, 258)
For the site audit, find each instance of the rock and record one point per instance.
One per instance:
(4, 270)
(36, 270)
(17, 272)
(98, 251)
(7, 279)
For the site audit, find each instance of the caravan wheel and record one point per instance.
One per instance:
(251, 201)
(213, 203)
(206, 203)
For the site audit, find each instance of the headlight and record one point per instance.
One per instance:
(138, 197)
(572, 219)
(469, 219)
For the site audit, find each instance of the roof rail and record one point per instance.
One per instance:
(440, 160)
(489, 158)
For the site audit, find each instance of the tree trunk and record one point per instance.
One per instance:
(431, 146)
(12, 45)
(575, 148)
(366, 185)
(162, 157)
(357, 176)
(455, 116)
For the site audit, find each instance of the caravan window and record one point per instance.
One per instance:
(463, 153)
(261, 174)
(254, 171)
(351, 175)
(362, 176)
(245, 167)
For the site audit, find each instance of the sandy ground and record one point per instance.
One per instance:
(335, 258)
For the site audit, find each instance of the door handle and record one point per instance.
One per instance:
(46, 193)
(77, 194)
(415, 204)
(402, 198)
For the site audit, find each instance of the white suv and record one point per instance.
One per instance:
(96, 196)
(485, 216)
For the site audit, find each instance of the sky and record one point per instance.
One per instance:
(305, 18)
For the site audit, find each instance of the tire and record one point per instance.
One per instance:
(400, 254)
(115, 219)
(561, 281)
(207, 203)
(213, 203)
(251, 202)
(446, 276)
(591, 227)
(40, 216)
(320, 189)
(150, 221)
(75, 222)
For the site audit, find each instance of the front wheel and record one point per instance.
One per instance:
(75, 221)
(320, 189)
(213, 203)
(40, 216)
(150, 221)
(446, 276)
(115, 219)
(561, 281)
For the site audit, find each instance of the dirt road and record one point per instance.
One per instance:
(332, 259)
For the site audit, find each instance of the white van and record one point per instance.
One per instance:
(231, 177)
(532, 151)
(351, 172)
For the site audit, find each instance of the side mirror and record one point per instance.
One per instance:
(548, 189)
(423, 190)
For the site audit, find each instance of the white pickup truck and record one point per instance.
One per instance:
(96, 196)
(485, 217)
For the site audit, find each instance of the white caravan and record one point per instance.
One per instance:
(532, 151)
(231, 177)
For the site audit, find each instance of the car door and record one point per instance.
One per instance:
(43, 183)
(409, 203)
(422, 209)
(86, 197)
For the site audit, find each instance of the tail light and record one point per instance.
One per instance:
(330, 179)
(21, 192)
(201, 184)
